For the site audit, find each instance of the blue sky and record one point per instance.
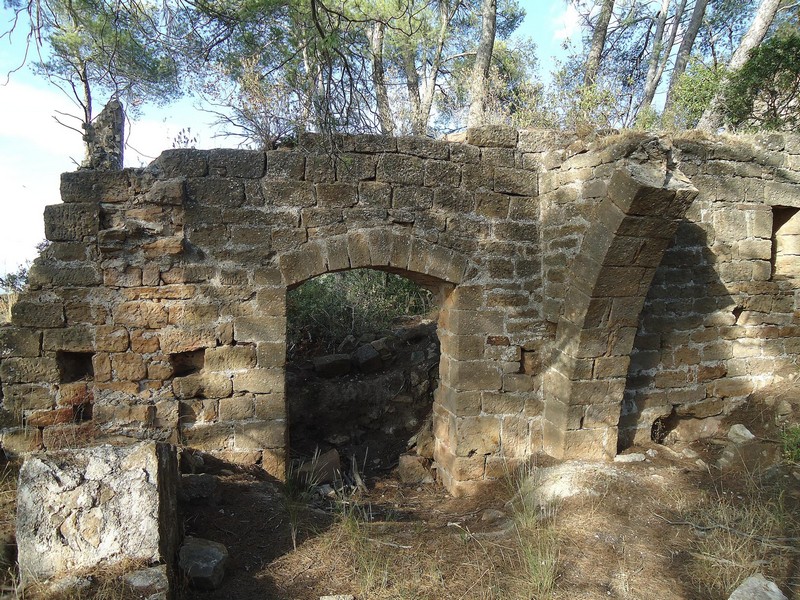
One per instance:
(35, 150)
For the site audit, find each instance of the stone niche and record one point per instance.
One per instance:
(78, 510)
(590, 288)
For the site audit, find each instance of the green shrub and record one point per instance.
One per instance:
(325, 310)
(790, 444)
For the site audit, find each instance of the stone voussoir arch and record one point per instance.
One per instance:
(608, 285)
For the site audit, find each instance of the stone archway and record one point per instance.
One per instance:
(609, 281)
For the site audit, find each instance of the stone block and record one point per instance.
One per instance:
(270, 407)
(336, 195)
(259, 329)
(213, 437)
(227, 162)
(305, 263)
(89, 186)
(520, 182)
(128, 367)
(71, 222)
(271, 354)
(398, 168)
(167, 192)
(492, 136)
(423, 147)
(79, 338)
(475, 375)
(216, 192)
(477, 436)
(29, 370)
(289, 193)
(176, 162)
(355, 167)
(202, 385)
(412, 198)
(238, 408)
(175, 339)
(94, 508)
(442, 173)
(19, 342)
(145, 314)
(259, 381)
(28, 313)
(18, 441)
(257, 435)
(230, 358)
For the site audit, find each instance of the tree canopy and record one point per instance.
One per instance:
(270, 69)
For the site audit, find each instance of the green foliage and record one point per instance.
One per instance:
(790, 444)
(694, 91)
(765, 92)
(15, 281)
(108, 46)
(325, 310)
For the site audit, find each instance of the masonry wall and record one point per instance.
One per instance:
(159, 309)
(721, 318)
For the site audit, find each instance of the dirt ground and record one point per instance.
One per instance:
(672, 526)
(640, 530)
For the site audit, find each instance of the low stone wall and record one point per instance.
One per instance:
(158, 311)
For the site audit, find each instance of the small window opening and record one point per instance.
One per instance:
(785, 241)
(663, 426)
(75, 366)
(187, 363)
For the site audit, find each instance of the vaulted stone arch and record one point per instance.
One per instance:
(608, 284)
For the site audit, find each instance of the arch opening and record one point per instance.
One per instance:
(362, 366)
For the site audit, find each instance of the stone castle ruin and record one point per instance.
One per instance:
(592, 293)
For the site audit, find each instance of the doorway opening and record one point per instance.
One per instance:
(362, 367)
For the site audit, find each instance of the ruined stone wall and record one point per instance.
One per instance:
(721, 318)
(159, 309)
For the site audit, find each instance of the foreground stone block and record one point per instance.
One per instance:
(96, 507)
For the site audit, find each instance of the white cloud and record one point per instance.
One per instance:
(35, 150)
(566, 23)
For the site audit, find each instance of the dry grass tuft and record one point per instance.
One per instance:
(738, 534)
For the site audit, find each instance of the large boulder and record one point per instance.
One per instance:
(96, 507)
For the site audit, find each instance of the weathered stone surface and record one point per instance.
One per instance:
(96, 507)
(367, 359)
(757, 587)
(413, 470)
(203, 562)
(152, 583)
(628, 276)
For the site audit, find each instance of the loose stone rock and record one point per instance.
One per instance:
(203, 562)
(740, 434)
(629, 458)
(149, 582)
(332, 365)
(413, 469)
(367, 359)
(757, 587)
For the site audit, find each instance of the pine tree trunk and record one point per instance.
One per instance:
(712, 117)
(685, 50)
(483, 59)
(379, 78)
(598, 43)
